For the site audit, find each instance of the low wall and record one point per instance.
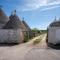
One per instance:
(11, 36)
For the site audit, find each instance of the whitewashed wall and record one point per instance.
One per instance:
(11, 36)
(54, 35)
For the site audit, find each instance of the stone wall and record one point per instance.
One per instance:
(11, 36)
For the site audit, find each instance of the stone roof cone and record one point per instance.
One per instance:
(26, 25)
(56, 23)
(3, 18)
(14, 22)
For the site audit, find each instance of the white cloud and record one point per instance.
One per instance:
(35, 4)
(49, 8)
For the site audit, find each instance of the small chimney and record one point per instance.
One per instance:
(13, 12)
(55, 19)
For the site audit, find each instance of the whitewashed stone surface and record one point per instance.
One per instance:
(54, 35)
(11, 36)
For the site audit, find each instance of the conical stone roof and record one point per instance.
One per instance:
(55, 24)
(14, 23)
(3, 18)
(26, 25)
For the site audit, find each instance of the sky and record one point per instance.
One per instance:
(37, 13)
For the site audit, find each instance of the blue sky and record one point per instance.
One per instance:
(37, 13)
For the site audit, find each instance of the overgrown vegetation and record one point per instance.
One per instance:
(27, 37)
(39, 31)
(36, 41)
(35, 32)
(43, 31)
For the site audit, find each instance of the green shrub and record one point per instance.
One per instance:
(26, 38)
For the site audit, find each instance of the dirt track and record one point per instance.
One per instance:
(28, 51)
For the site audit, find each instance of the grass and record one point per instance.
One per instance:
(36, 41)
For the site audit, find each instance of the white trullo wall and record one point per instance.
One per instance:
(11, 36)
(54, 35)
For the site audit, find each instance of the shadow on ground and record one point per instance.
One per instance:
(57, 46)
(8, 44)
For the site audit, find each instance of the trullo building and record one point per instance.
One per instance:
(10, 28)
(54, 32)
(3, 18)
